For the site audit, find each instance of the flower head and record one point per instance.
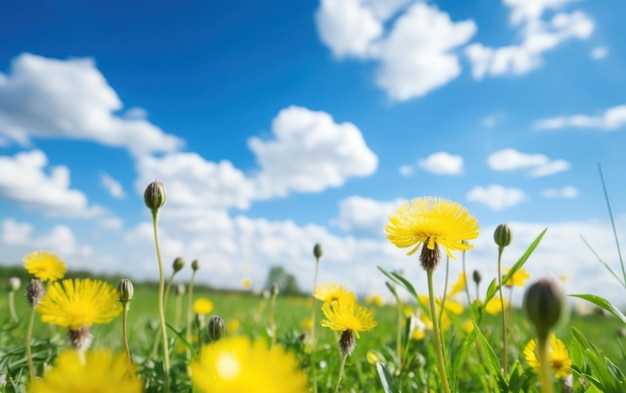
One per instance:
(78, 303)
(494, 306)
(560, 362)
(202, 306)
(98, 371)
(44, 265)
(433, 222)
(344, 315)
(246, 283)
(518, 278)
(234, 365)
(331, 292)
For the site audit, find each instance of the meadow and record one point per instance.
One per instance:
(84, 335)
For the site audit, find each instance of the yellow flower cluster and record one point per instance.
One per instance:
(560, 362)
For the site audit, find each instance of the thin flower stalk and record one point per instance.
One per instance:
(545, 377)
(342, 365)
(189, 325)
(12, 311)
(125, 336)
(503, 313)
(437, 333)
(317, 253)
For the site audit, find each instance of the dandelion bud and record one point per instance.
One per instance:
(195, 265)
(477, 277)
(35, 292)
(178, 264)
(544, 304)
(317, 251)
(80, 339)
(216, 328)
(347, 342)
(14, 284)
(125, 290)
(155, 196)
(502, 235)
(180, 289)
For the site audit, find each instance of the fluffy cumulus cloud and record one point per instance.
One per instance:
(542, 27)
(112, 186)
(364, 215)
(309, 152)
(414, 44)
(26, 179)
(442, 163)
(496, 197)
(538, 164)
(612, 119)
(50, 98)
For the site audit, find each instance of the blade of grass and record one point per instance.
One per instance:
(603, 262)
(608, 205)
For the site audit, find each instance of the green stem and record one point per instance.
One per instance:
(399, 332)
(12, 307)
(29, 354)
(313, 337)
(544, 363)
(437, 332)
(166, 352)
(342, 364)
(168, 288)
(125, 335)
(503, 311)
(469, 301)
(179, 306)
(189, 316)
(272, 319)
(445, 291)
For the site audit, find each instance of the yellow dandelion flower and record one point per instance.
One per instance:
(44, 265)
(80, 302)
(450, 307)
(98, 371)
(433, 222)
(202, 306)
(494, 307)
(331, 292)
(518, 278)
(375, 300)
(232, 326)
(560, 362)
(235, 365)
(347, 315)
(458, 286)
(245, 283)
(468, 326)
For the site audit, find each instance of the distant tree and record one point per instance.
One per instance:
(287, 283)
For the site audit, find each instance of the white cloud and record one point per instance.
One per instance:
(357, 213)
(406, 170)
(495, 196)
(491, 120)
(415, 54)
(60, 239)
(24, 179)
(43, 97)
(309, 152)
(112, 186)
(442, 163)
(612, 119)
(539, 164)
(112, 223)
(565, 192)
(599, 52)
(136, 113)
(538, 35)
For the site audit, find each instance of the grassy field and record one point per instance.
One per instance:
(415, 373)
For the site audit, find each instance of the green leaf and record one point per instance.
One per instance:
(389, 386)
(491, 361)
(602, 303)
(180, 337)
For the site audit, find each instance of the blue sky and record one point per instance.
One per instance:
(276, 125)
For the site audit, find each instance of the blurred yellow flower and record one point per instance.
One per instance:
(232, 326)
(458, 286)
(451, 306)
(347, 315)
(308, 323)
(98, 371)
(44, 265)
(518, 278)
(331, 292)
(246, 283)
(494, 307)
(202, 306)
(80, 302)
(468, 326)
(433, 222)
(559, 359)
(374, 299)
(235, 365)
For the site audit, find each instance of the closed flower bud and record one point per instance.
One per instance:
(317, 251)
(477, 277)
(14, 284)
(545, 305)
(80, 339)
(178, 264)
(502, 235)
(155, 196)
(125, 290)
(35, 292)
(347, 342)
(195, 265)
(216, 328)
